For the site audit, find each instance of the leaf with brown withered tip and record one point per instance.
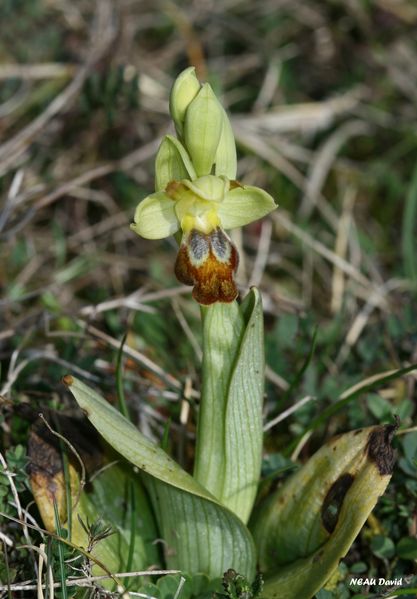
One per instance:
(102, 504)
(305, 528)
(46, 467)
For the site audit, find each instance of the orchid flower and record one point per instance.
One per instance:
(197, 193)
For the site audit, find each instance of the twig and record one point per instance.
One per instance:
(300, 445)
(81, 550)
(40, 571)
(257, 144)
(376, 300)
(5, 539)
(180, 585)
(43, 559)
(132, 302)
(14, 372)
(126, 163)
(301, 118)
(13, 191)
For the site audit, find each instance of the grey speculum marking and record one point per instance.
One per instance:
(199, 245)
(220, 244)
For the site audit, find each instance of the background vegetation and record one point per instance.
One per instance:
(323, 102)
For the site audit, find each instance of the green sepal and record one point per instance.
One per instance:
(226, 160)
(202, 130)
(155, 217)
(172, 163)
(184, 90)
(243, 205)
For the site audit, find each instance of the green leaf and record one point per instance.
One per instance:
(229, 439)
(300, 373)
(184, 586)
(114, 510)
(379, 406)
(369, 384)
(382, 547)
(409, 443)
(169, 586)
(151, 590)
(407, 548)
(200, 534)
(309, 524)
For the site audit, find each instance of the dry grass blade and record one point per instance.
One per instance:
(137, 356)
(36, 71)
(302, 117)
(103, 33)
(341, 246)
(322, 164)
(286, 413)
(19, 509)
(321, 249)
(85, 581)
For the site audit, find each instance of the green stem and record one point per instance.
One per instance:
(222, 331)
(229, 433)
(119, 380)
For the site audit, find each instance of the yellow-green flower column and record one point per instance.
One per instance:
(197, 194)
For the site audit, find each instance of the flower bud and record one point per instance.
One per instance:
(184, 90)
(202, 130)
(226, 162)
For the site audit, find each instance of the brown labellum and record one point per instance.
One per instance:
(209, 262)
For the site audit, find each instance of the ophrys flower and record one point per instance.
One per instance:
(196, 192)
